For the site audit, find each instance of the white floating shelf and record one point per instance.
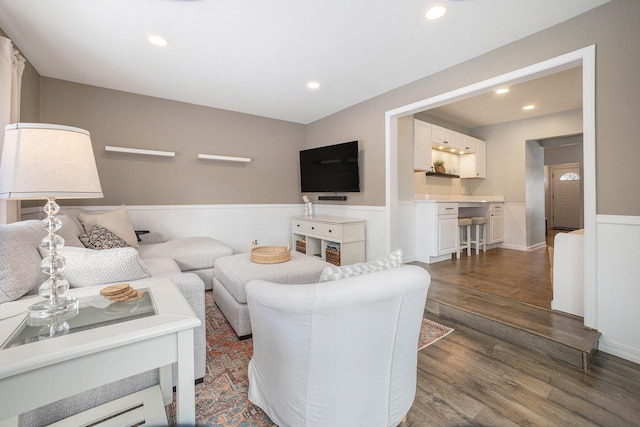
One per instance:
(140, 151)
(224, 158)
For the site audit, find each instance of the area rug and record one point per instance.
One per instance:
(221, 398)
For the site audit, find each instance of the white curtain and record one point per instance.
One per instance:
(11, 68)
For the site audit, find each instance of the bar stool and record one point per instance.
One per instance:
(481, 225)
(464, 232)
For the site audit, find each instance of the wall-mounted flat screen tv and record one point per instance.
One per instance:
(333, 168)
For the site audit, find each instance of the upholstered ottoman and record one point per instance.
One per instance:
(231, 274)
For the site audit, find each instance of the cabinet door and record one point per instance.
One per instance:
(481, 159)
(421, 146)
(496, 227)
(447, 235)
(474, 165)
(465, 143)
(442, 137)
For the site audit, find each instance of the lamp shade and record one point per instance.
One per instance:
(41, 161)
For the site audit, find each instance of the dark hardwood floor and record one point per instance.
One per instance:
(518, 275)
(472, 378)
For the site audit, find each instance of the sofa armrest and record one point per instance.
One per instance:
(150, 237)
(192, 287)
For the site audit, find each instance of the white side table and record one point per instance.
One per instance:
(154, 336)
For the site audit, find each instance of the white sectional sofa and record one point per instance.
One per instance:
(185, 262)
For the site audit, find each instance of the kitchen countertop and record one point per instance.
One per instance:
(457, 198)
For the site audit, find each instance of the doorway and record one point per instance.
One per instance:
(565, 194)
(584, 57)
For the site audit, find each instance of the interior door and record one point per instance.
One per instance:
(567, 198)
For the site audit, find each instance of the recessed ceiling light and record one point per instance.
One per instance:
(313, 85)
(435, 12)
(157, 40)
(502, 91)
(528, 107)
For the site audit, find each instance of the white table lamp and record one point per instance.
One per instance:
(44, 161)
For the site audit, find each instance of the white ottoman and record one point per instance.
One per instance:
(231, 274)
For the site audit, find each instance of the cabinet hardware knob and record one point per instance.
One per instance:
(329, 230)
(313, 228)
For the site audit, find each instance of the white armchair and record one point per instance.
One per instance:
(340, 353)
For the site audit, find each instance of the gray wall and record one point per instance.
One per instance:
(614, 29)
(117, 118)
(123, 119)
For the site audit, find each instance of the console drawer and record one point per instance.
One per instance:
(328, 231)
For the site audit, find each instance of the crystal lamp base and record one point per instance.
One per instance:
(58, 307)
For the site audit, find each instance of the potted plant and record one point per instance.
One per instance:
(439, 166)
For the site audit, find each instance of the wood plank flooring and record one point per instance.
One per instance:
(469, 378)
(473, 378)
(517, 275)
(507, 294)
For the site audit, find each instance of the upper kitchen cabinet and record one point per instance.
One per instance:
(474, 165)
(442, 137)
(465, 143)
(422, 159)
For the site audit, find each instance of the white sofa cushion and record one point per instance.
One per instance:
(191, 253)
(393, 260)
(88, 267)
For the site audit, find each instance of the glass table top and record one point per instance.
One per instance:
(93, 312)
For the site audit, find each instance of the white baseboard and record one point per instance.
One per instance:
(619, 350)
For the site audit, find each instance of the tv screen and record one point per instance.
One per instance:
(333, 168)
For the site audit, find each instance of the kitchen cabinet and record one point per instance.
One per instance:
(436, 231)
(496, 223)
(442, 137)
(465, 143)
(422, 158)
(474, 165)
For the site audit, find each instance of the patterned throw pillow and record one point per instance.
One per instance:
(101, 238)
(393, 260)
(117, 221)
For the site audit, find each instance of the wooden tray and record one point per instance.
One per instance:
(270, 254)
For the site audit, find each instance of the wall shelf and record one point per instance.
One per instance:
(139, 151)
(224, 158)
(443, 175)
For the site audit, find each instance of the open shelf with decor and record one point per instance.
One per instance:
(340, 241)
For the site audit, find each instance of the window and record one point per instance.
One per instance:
(570, 176)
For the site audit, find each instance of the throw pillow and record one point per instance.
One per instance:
(100, 238)
(393, 260)
(116, 221)
(19, 259)
(88, 267)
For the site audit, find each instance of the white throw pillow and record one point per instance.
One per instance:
(393, 260)
(117, 221)
(88, 267)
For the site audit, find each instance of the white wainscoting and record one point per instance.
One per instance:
(618, 285)
(407, 229)
(239, 225)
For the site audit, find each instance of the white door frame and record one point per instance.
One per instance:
(586, 58)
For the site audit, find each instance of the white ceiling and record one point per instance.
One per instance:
(551, 94)
(255, 56)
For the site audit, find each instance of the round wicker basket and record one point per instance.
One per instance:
(270, 254)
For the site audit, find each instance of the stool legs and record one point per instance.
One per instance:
(464, 240)
(480, 238)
